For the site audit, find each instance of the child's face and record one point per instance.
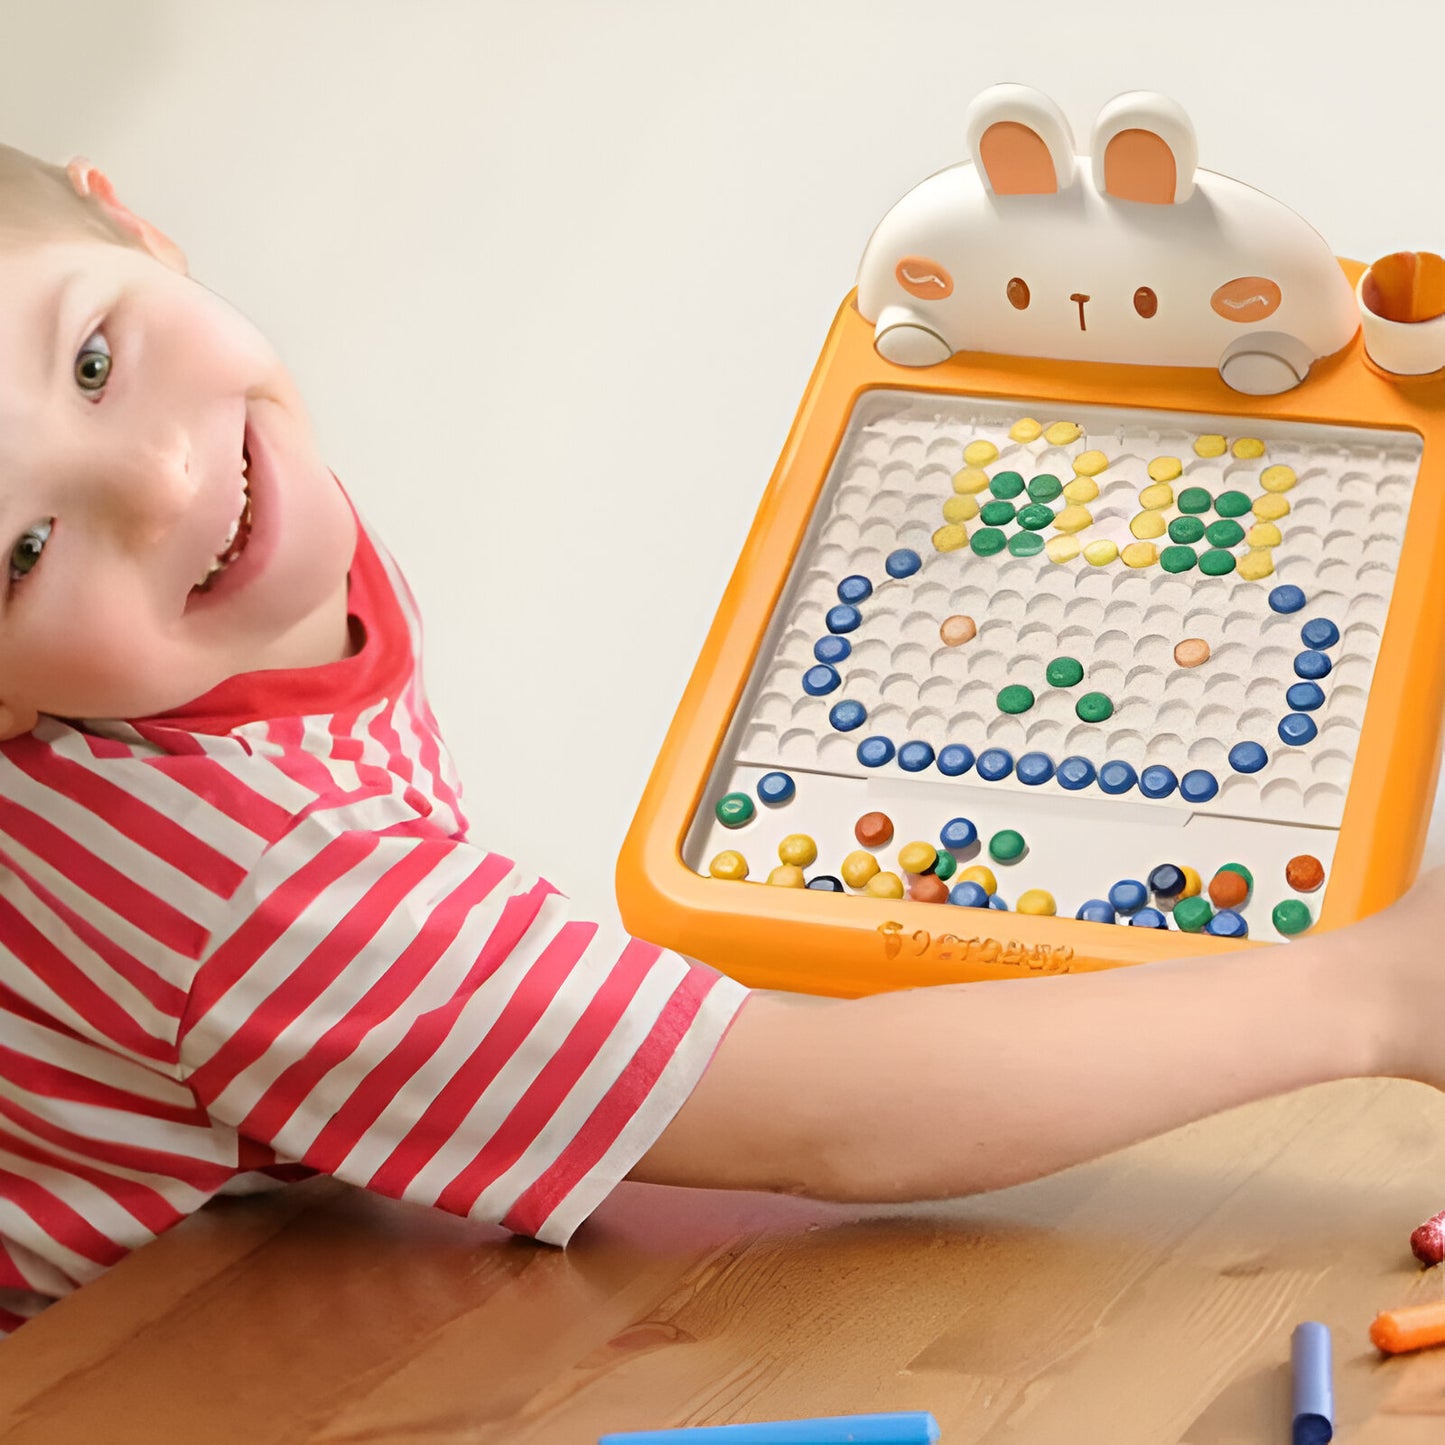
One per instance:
(129, 396)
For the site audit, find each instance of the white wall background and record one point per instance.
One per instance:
(553, 274)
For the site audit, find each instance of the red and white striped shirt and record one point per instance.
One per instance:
(248, 940)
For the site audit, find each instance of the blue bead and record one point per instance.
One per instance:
(1117, 777)
(1247, 757)
(1319, 632)
(1128, 895)
(1096, 910)
(1312, 665)
(1227, 924)
(1286, 599)
(1198, 786)
(843, 618)
(996, 902)
(1157, 781)
(1149, 918)
(874, 752)
(958, 833)
(1035, 768)
(1297, 729)
(954, 760)
(1167, 881)
(832, 648)
(819, 681)
(776, 788)
(902, 563)
(826, 883)
(995, 763)
(1076, 773)
(914, 757)
(1305, 696)
(846, 715)
(855, 589)
(969, 895)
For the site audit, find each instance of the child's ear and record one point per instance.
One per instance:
(16, 720)
(91, 182)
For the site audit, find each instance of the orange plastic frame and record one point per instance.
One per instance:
(815, 942)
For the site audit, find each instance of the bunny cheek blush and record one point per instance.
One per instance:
(1098, 528)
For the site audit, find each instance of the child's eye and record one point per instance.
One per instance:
(92, 365)
(26, 552)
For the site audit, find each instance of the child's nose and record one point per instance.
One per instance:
(150, 490)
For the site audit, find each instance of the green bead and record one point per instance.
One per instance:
(1045, 487)
(1215, 563)
(996, 514)
(1006, 846)
(1186, 530)
(1224, 534)
(1064, 672)
(1177, 559)
(1015, 698)
(1240, 869)
(1094, 707)
(1291, 917)
(1232, 504)
(1191, 914)
(945, 865)
(986, 541)
(1006, 485)
(1195, 499)
(1026, 544)
(734, 810)
(1036, 517)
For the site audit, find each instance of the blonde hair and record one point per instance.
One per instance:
(38, 201)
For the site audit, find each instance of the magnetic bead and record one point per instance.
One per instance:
(958, 834)
(1117, 777)
(1319, 632)
(820, 680)
(955, 631)
(874, 830)
(1045, 487)
(1094, 707)
(1037, 901)
(980, 452)
(1096, 910)
(1286, 599)
(1128, 894)
(925, 888)
(1015, 698)
(845, 716)
(1006, 846)
(1061, 433)
(858, 867)
(1025, 544)
(1198, 786)
(1224, 534)
(945, 865)
(874, 752)
(1076, 773)
(1177, 559)
(843, 618)
(1191, 914)
(1193, 883)
(902, 563)
(854, 589)
(997, 514)
(1312, 666)
(914, 757)
(832, 648)
(1304, 873)
(955, 760)
(1291, 917)
(734, 810)
(1064, 672)
(1186, 530)
(1227, 889)
(988, 541)
(799, 850)
(884, 885)
(994, 901)
(968, 895)
(1157, 781)
(994, 763)
(1304, 696)
(776, 788)
(730, 865)
(917, 857)
(1194, 500)
(1007, 485)
(981, 874)
(1166, 881)
(1232, 504)
(1216, 562)
(1149, 918)
(1211, 444)
(1247, 757)
(787, 875)
(1297, 729)
(1248, 448)
(1237, 868)
(1035, 518)
(1025, 429)
(1227, 924)
(1035, 768)
(825, 883)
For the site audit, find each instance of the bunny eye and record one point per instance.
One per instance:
(1146, 303)
(1018, 293)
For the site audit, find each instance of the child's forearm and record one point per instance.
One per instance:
(949, 1091)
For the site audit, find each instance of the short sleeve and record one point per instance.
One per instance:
(410, 1014)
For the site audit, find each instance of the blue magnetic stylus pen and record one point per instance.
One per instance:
(913, 1427)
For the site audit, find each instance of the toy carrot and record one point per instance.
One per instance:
(1396, 1331)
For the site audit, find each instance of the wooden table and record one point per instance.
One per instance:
(1145, 1299)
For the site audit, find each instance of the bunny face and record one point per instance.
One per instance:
(1132, 257)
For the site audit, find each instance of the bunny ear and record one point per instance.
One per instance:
(1020, 140)
(1144, 149)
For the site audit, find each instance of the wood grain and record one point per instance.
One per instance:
(1145, 1299)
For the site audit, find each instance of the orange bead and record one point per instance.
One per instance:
(928, 888)
(1227, 889)
(1304, 874)
(873, 830)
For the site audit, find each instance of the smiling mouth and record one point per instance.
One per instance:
(237, 537)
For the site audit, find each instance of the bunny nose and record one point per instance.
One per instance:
(1080, 298)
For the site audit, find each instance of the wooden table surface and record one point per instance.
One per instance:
(1144, 1299)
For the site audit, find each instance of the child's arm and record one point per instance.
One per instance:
(948, 1091)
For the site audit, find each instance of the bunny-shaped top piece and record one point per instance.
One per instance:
(1128, 255)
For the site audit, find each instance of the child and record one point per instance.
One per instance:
(243, 935)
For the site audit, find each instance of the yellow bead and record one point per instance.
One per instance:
(1062, 549)
(1081, 489)
(1038, 901)
(1209, 445)
(1101, 553)
(1247, 448)
(1271, 508)
(950, 538)
(1165, 469)
(980, 453)
(1026, 429)
(981, 874)
(1140, 554)
(799, 850)
(1149, 525)
(787, 875)
(1161, 494)
(917, 857)
(1061, 433)
(1073, 519)
(884, 885)
(858, 867)
(1277, 478)
(1090, 464)
(1263, 534)
(960, 509)
(1255, 565)
(1193, 883)
(970, 480)
(729, 864)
